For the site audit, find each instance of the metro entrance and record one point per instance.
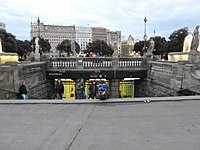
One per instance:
(126, 88)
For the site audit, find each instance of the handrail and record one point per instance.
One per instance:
(15, 93)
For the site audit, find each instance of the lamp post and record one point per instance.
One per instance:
(145, 34)
(38, 23)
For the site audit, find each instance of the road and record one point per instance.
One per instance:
(128, 126)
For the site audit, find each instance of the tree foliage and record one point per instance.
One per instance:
(126, 49)
(9, 43)
(139, 46)
(24, 47)
(159, 45)
(65, 46)
(100, 47)
(176, 39)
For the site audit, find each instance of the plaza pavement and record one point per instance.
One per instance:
(114, 124)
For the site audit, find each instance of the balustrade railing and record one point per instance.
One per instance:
(162, 67)
(95, 63)
(130, 63)
(63, 63)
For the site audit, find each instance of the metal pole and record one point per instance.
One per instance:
(145, 34)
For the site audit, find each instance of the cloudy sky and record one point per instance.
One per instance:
(164, 16)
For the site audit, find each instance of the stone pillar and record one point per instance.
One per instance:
(114, 88)
(16, 81)
(50, 88)
(194, 57)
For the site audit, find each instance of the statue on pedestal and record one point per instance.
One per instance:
(149, 54)
(1, 51)
(151, 47)
(194, 56)
(37, 46)
(36, 54)
(195, 39)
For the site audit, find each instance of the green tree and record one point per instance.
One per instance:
(139, 47)
(65, 46)
(159, 45)
(24, 47)
(44, 45)
(100, 47)
(126, 49)
(176, 39)
(8, 42)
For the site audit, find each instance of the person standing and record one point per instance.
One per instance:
(59, 89)
(23, 91)
(80, 89)
(92, 90)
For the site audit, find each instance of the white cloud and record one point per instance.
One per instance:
(125, 15)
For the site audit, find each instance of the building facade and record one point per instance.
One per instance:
(99, 33)
(114, 39)
(83, 36)
(129, 43)
(53, 33)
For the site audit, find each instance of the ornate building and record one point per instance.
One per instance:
(55, 34)
(83, 36)
(114, 39)
(130, 45)
(99, 33)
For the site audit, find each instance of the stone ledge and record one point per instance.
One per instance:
(96, 101)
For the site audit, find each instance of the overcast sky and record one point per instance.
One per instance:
(164, 16)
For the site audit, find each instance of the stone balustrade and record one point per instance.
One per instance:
(95, 63)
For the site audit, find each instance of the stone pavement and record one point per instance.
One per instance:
(161, 125)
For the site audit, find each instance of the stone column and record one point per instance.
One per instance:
(50, 88)
(114, 88)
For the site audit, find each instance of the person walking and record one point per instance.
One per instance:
(59, 89)
(23, 91)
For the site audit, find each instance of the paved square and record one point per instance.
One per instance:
(139, 126)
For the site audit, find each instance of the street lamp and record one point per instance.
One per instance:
(145, 34)
(38, 23)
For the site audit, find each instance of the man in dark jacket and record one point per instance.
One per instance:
(80, 89)
(92, 90)
(23, 91)
(59, 89)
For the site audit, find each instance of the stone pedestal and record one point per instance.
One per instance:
(178, 56)
(35, 57)
(114, 85)
(194, 57)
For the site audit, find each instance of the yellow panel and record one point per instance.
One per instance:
(4, 57)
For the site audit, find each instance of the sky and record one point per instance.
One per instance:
(127, 16)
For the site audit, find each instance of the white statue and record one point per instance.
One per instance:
(1, 51)
(187, 43)
(195, 40)
(151, 47)
(191, 41)
(37, 46)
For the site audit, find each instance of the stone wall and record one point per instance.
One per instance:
(12, 74)
(169, 79)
